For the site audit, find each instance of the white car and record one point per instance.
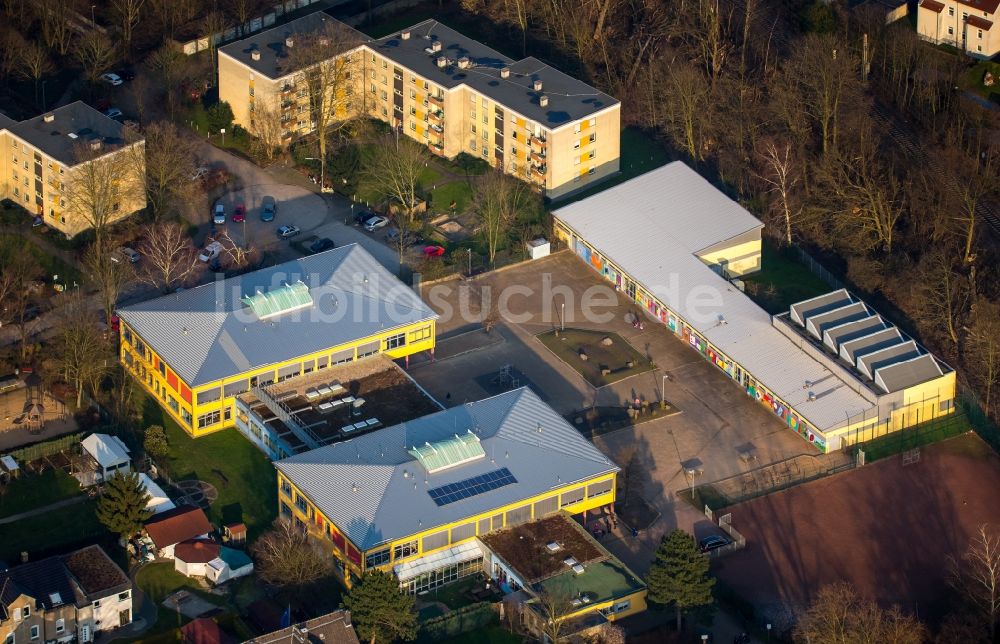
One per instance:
(113, 113)
(125, 253)
(112, 79)
(376, 222)
(211, 252)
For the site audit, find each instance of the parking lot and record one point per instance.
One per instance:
(717, 423)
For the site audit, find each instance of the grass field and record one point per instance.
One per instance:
(57, 531)
(458, 191)
(157, 581)
(30, 491)
(783, 280)
(247, 494)
(569, 344)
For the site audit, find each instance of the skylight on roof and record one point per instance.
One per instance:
(449, 452)
(55, 599)
(283, 299)
(471, 487)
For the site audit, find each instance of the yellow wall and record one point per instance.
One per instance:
(740, 259)
(420, 337)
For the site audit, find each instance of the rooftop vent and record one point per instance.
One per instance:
(505, 72)
(570, 561)
(554, 547)
(405, 35)
(578, 569)
(812, 396)
(255, 54)
(48, 118)
(72, 135)
(436, 46)
(464, 62)
(543, 101)
(442, 62)
(289, 42)
(537, 85)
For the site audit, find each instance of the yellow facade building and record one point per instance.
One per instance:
(831, 369)
(444, 90)
(420, 498)
(196, 350)
(58, 163)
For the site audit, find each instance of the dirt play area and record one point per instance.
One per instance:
(887, 528)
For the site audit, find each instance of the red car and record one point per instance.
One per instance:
(240, 214)
(433, 251)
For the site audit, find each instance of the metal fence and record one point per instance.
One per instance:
(818, 269)
(48, 448)
(905, 440)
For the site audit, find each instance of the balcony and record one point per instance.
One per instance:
(436, 101)
(287, 89)
(538, 173)
(436, 148)
(538, 158)
(285, 104)
(537, 143)
(436, 117)
(437, 128)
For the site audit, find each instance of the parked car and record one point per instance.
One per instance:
(713, 542)
(210, 252)
(433, 251)
(362, 216)
(288, 231)
(219, 214)
(239, 214)
(125, 253)
(112, 79)
(126, 73)
(320, 245)
(200, 173)
(376, 222)
(114, 113)
(268, 208)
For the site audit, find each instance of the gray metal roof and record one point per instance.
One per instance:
(908, 373)
(801, 311)
(880, 339)
(816, 324)
(274, 60)
(73, 126)
(652, 227)
(207, 333)
(375, 491)
(836, 336)
(570, 99)
(6, 122)
(869, 363)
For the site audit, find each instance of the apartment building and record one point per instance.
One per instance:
(446, 91)
(965, 24)
(65, 598)
(43, 155)
(197, 350)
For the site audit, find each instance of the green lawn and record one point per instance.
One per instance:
(249, 493)
(59, 530)
(30, 491)
(429, 177)
(458, 191)
(783, 280)
(158, 580)
(569, 344)
(972, 80)
(487, 635)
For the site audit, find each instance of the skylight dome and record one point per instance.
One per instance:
(449, 452)
(285, 298)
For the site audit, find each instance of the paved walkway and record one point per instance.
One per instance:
(44, 509)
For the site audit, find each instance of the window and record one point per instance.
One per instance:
(576, 128)
(235, 388)
(26, 612)
(210, 395)
(377, 558)
(546, 506)
(413, 94)
(302, 504)
(384, 95)
(369, 349)
(571, 497)
(211, 418)
(517, 516)
(951, 31)
(60, 625)
(513, 150)
(123, 596)
(286, 510)
(497, 521)
(385, 112)
(576, 145)
(384, 65)
(395, 341)
(599, 488)
(980, 34)
(35, 634)
(402, 550)
(251, 91)
(435, 541)
(593, 138)
(413, 126)
(591, 154)
(420, 334)
(951, 11)
(592, 171)
(463, 532)
(484, 525)
(472, 145)
(486, 151)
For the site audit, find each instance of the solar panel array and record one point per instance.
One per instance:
(471, 487)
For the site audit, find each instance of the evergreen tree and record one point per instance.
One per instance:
(679, 574)
(379, 611)
(155, 442)
(122, 508)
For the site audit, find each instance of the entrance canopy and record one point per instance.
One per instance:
(453, 556)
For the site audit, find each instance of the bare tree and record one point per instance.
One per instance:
(837, 614)
(128, 13)
(18, 271)
(138, 88)
(214, 25)
(33, 63)
(109, 272)
(169, 15)
(237, 256)
(168, 63)
(168, 258)
(169, 159)
(330, 72)
(780, 175)
(55, 19)
(95, 53)
(945, 293)
(288, 556)
(498, 198)
(982, 349)
(243, 11)
(267, 128)
(84, 353)
(392, 168)
(678, 99)
(977, 576)
(555, 605)
(820, 71)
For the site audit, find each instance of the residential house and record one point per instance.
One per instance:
(332, 628)
(176, 526)
(64, 598)
(43, 156)
(444, 90)
(106, 455)
(197, 350)
(215, 562)
(965, 24)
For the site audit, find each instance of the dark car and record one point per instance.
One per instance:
(362, 216)
(267, 208)
(320, 245)
(712, 542)
(126, 73)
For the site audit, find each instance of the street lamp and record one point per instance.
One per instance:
(663, 389)
(92, 21)
(470, 261)
(322, 171)
(768, 632)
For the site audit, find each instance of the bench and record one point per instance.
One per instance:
(325, 407)
(312, 394)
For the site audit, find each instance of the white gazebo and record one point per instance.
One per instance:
(110, 454)
(158, 499)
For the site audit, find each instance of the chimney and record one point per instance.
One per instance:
(442, 62)
(255, 54)
(505, 72)
(48, 118)
(405, 35)
(436, 46)
(543, 100)
(289, 42)
(463, 62)
(538, 85)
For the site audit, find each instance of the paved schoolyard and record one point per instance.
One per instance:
(717, 420)
(886, 528)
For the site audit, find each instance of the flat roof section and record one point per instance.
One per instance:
(835, 337)
(69, 131)
(526, 547)
(869, 363)
(908, 373)
(851, 351)
(817, 324)
(800, 311)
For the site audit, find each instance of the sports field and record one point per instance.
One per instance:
(887, 528)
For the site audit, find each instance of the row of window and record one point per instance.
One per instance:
(214, 417)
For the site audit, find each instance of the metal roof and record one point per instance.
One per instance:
(207, 334)
(68, 132)
(851, 350)
(908, 373)
(869, 363)
(107, 450)
(448, 452)
(816, 324)
(834, 337)
(800, 311)
(652, 227)
(373, 489)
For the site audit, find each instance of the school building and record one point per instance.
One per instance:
(197, 350)
(420, 498)
(832, 369)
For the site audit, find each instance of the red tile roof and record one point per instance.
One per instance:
(174, 526)
(933, 5)
(205, 631)
(990, 6)
(979, 23)
(196, 551)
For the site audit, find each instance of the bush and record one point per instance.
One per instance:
(219, 116)
(457, 622)
(155, 442)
